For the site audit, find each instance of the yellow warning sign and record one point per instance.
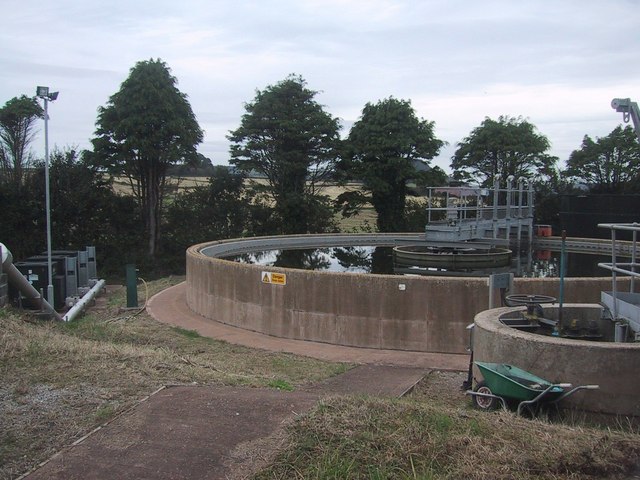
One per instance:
(274, 278)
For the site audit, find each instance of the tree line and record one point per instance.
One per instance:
(147, 128)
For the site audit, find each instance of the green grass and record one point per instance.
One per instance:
(104, 413)
(281, 385)
(187, 333)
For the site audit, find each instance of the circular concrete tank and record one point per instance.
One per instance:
(417, 313)
(613, 366)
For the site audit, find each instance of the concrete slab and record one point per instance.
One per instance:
(179, 433)
(375, 380)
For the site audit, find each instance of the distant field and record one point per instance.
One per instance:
(121, 185)
(364, 220)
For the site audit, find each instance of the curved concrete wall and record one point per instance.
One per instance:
(613, 366)
(375, 311)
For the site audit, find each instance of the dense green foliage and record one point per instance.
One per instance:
(147, 126)
(508, 146)
(609, 164)
(287, 137)
(84, 211)
(222, 209)
(17, 128)
(385, 146)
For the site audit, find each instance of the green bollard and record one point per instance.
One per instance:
(132, 286)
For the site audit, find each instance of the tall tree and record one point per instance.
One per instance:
(508, 146)
(287, 136)
(386, 145)
(147, 126)
(17, 129)
(609, 164)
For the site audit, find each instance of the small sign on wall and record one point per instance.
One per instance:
(274, 278)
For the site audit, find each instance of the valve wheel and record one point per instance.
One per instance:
(528, 300)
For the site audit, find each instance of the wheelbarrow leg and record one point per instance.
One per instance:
(540, 395)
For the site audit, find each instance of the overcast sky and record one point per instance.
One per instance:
(556, 63)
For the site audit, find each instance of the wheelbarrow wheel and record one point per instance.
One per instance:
(484, 403)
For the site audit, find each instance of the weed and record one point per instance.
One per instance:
(477, 427)
(440, 422)
(34, 351)
(281, 385)
(187, 333)
(104, 413)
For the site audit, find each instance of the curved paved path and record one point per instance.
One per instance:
(170, 306)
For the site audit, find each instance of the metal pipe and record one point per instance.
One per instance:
(614, 277)
(521, 182)
(21, 283)
(509, 202)
(79, 307)
(496, 193)
(632, 287)
(562, 269)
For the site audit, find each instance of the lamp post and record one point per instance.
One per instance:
(43, 92)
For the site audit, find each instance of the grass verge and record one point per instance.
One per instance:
(436, 435)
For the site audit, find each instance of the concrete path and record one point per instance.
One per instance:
(170, 306)
(207, 432)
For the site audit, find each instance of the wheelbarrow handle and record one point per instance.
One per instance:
(574, 390)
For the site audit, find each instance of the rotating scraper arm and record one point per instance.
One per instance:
(629, 111)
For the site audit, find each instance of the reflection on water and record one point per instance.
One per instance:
(379, 260)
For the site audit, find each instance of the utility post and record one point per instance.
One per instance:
(43, 92)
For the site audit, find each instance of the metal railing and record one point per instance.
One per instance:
(486, 212)
(631, 269)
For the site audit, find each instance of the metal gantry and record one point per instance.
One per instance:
(477, 213)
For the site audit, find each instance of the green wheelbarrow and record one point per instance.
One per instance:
(504, 383)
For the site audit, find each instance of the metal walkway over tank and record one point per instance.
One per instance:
(474, 213)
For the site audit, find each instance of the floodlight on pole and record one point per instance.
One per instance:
(43, 92)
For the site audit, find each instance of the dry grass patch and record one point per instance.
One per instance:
(58, 381)
(436, 435)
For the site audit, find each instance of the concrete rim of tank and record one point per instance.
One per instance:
(489, 320)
